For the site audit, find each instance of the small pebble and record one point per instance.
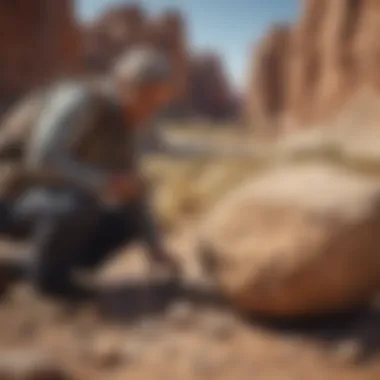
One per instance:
(105, 353)
(181, 315)
(30, 366)
(219, 327)
(132, 352)
(347, 352)
(149, 331)
(171, 351)
(201, 365)
(27, 329)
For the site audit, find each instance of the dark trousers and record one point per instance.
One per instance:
(68, 230)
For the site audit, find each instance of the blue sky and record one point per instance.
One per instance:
(230, 27)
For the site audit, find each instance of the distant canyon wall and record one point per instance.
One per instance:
(202, 86)
(306, 72)
(41, 41)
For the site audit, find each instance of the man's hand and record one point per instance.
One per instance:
(122, 188)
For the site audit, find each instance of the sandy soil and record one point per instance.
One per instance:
(141, 329)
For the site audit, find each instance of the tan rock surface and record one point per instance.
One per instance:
(297, 241)
(330, 53)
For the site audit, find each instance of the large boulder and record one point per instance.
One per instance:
(298, 241)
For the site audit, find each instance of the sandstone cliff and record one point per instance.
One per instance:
(307, 71)
(210, 92)
(202, 85)
(39, 40)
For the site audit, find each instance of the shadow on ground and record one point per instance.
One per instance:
(360, 325)
(129, 301)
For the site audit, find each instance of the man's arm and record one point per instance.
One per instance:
(67, 116)
(151, 236)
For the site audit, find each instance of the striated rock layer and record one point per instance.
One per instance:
(41, 40)
(202, 86)
(307, 71)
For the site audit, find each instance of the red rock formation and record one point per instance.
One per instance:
(332, 51)
(115, 31)
(210, 93)
(267, 90)
(126, 26)
(169, 33)
(304, 59)
(39, 40)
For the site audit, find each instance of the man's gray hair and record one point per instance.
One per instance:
(142, 66)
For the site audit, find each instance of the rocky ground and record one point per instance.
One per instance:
(145, 329)
(142, 328)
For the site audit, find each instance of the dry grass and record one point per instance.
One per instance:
(187, 187)
(210, 131)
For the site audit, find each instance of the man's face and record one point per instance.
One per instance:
(146, 101)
